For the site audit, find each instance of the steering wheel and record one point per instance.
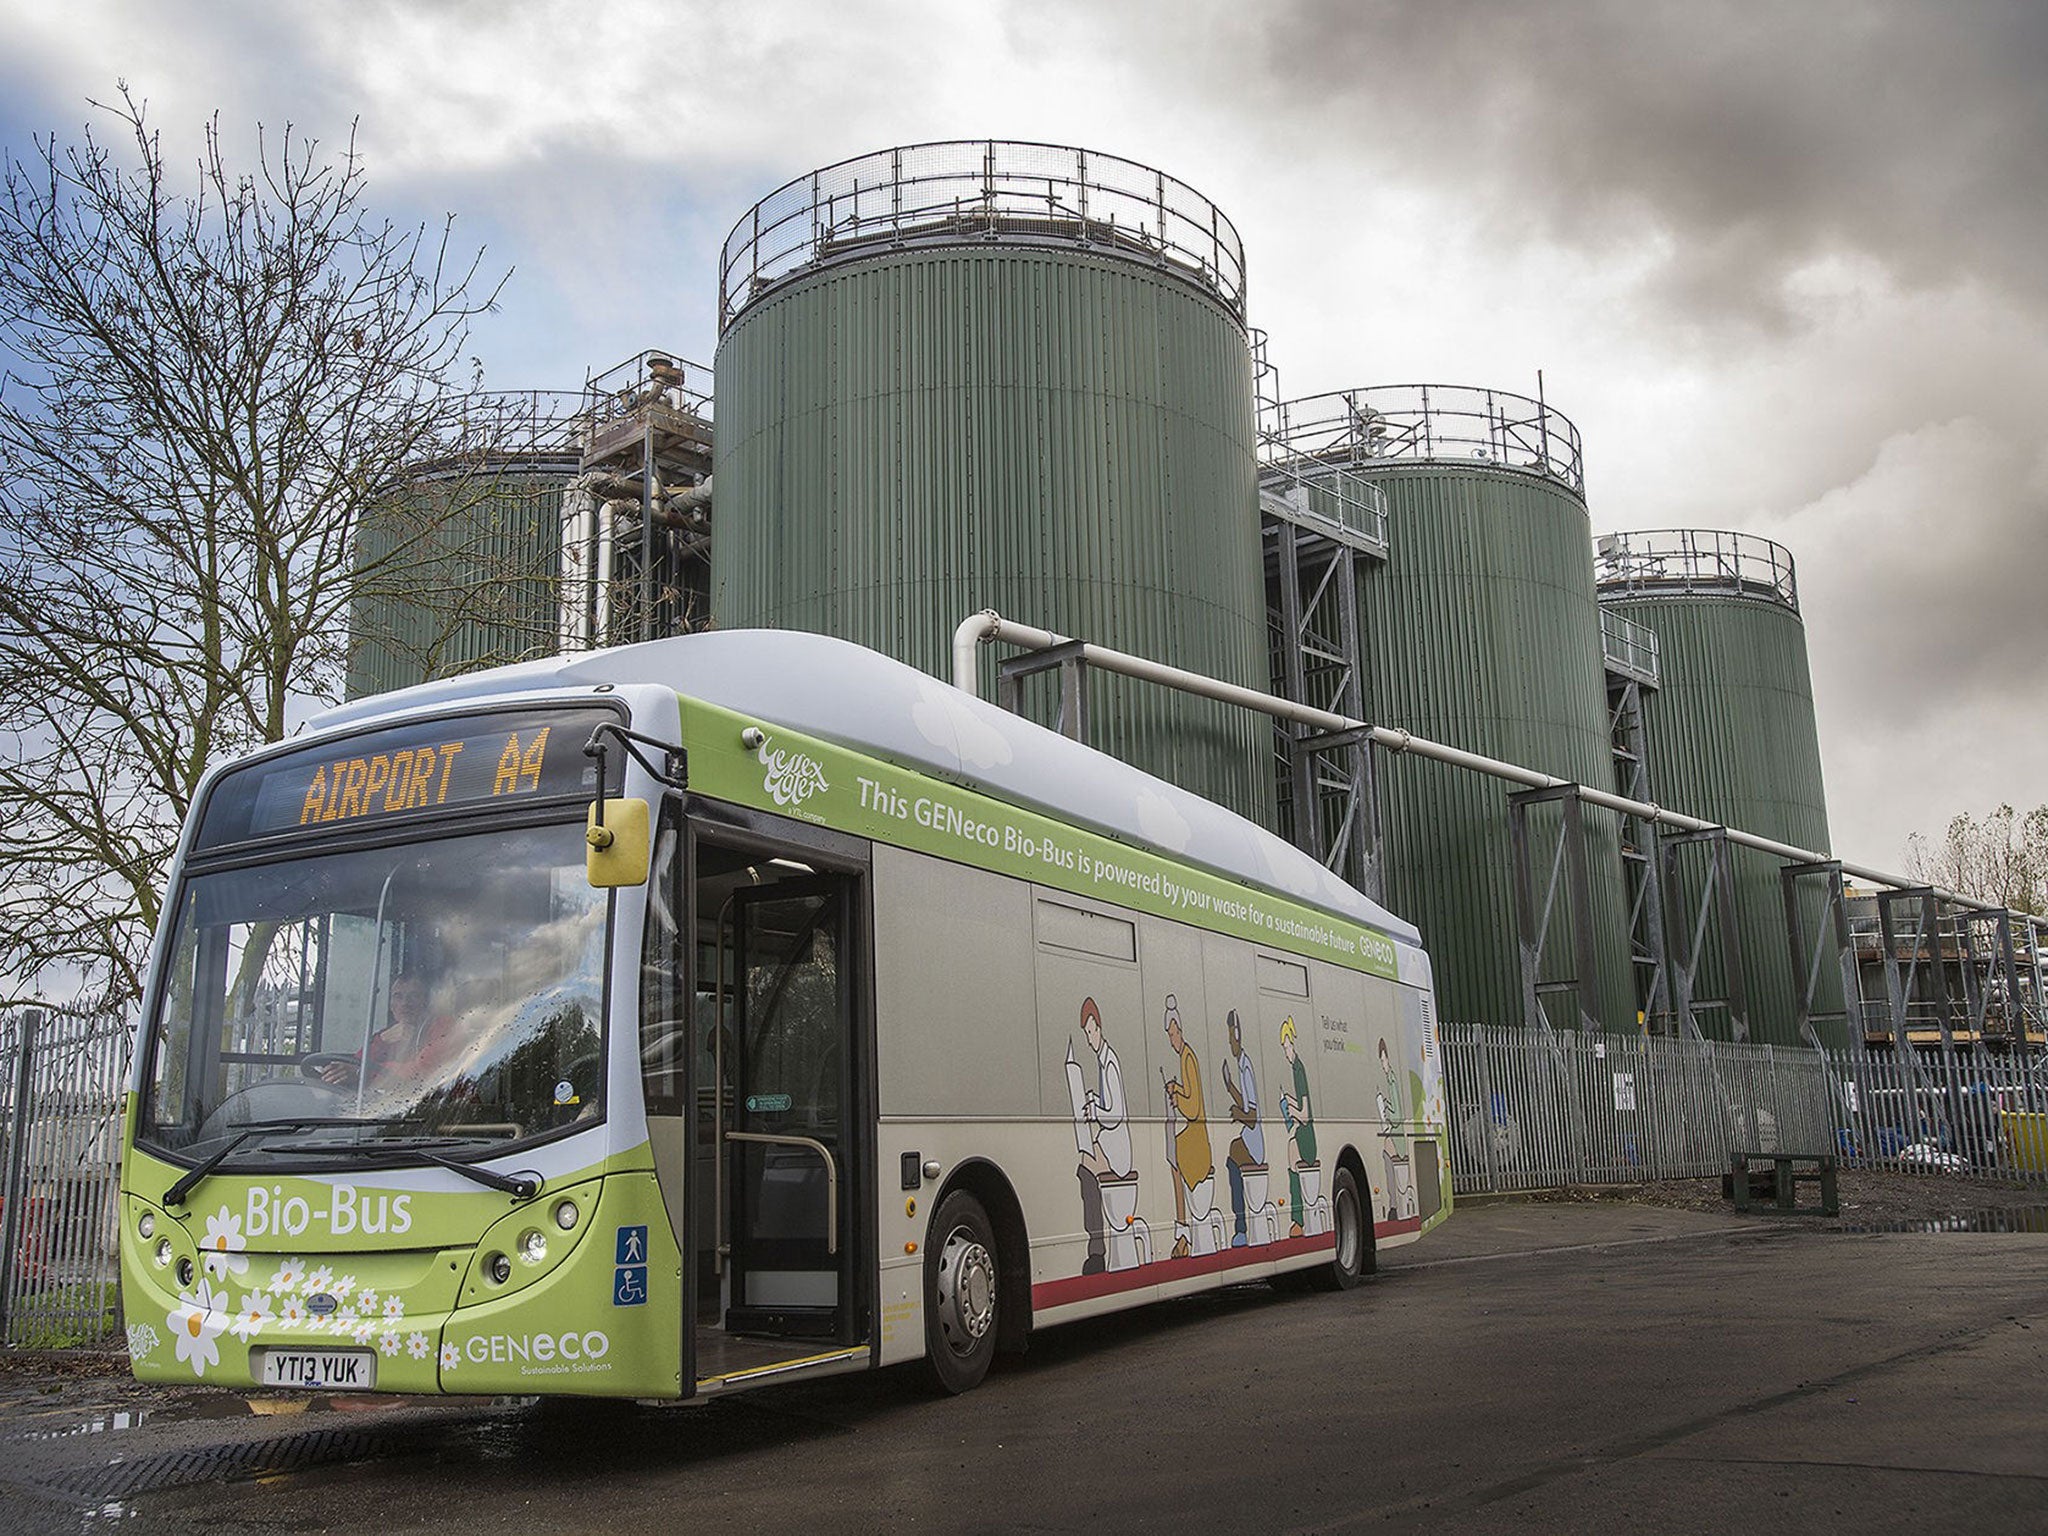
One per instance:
(312, 1066)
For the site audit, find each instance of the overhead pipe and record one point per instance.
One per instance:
(988, 625)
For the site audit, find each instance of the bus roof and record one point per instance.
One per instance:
(861, 699)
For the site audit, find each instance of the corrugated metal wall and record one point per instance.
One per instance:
(1063, 437)
(1481, 630)
(478, 583)
(1733, 739)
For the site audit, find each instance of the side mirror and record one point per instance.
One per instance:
(619, 843)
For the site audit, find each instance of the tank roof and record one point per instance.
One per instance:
(861, 699)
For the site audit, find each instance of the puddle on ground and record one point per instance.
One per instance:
(103, 1421)
(2017, 1218)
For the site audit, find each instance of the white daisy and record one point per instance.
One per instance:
(291, 1311)
(367, 1301)
(388, 1344)
(416, 1345)
(394, 1308)
(223, 1244)
(320, 1279)
(363, 1331)
(250, 1317)
(316, 1322)
(343, 1286)
(451, 1357)
(291, 1274)
(196, 1327)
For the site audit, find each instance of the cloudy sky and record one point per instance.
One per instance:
(1785, 265)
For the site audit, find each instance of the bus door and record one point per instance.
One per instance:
(790, 1144)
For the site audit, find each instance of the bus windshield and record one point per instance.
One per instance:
(447, 993)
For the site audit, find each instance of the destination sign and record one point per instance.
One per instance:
(409, 770)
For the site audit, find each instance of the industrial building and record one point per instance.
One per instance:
(986, 375)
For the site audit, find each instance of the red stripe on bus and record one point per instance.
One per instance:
(1060, 1293)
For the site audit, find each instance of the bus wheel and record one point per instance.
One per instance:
(960, 1297)
(1355, 1258)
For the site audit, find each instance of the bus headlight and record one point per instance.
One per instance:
(163, 1252)
(533, 1246)
(498, 1268)
(565, 1214)
(185, 1273)
(146, 1226)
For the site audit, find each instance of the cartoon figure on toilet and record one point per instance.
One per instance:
(1309, 1205)
(1197, 1225)
(1117, 1235)
(1258, 1221)
(1399, 1190)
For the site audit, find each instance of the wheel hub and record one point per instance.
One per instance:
(967, 1290)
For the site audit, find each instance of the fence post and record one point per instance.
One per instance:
(14, 1215)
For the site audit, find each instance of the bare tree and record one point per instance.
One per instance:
(211, 394)
(2000, 858)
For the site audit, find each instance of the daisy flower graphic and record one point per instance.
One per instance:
(416, 1345)
(451, 1357)
(343, 1286)
(196, 1326)
(367, 1300)
(223, 1244)
(388, 1344)
(394, 1308)
(291, 1312)
(320, 1279)
(291, 1274)
(250, 1317)
(363, 1331)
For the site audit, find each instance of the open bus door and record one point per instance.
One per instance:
(772, 1168)
(789, 1159)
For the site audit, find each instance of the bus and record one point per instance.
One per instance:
(667, 1020)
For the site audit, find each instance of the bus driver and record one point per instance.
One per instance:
(412, 1038)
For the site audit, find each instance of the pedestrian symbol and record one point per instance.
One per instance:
(629, 1271)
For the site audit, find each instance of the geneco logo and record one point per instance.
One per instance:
(792, 777)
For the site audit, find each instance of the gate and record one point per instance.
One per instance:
(62, 1078)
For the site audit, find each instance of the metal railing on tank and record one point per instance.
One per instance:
(1705, 562)
(1316, 490)
(1436, 423)
(1628, 647)
(979, 190)
(536, 421)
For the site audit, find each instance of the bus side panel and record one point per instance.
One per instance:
(955, 1037)
(1085, 1053)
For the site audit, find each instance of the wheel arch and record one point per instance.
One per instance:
(991, 1186)
(1368, 1216)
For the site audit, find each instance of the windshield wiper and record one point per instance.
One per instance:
(176, 1194)
(523, 1186)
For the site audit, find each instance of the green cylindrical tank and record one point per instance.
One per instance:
(1480, 629)
(1731, 731)
(963, 376)
(459, 568)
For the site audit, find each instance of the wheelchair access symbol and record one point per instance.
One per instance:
(629, 1268)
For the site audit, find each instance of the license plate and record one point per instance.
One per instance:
(328, 1370)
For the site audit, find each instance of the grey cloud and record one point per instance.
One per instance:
(1752, 138)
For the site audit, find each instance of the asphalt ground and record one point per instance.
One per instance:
(1528, 1367)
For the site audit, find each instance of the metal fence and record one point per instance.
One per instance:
(1531, 1110)
(62, 1076)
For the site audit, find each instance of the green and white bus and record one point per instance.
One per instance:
(667, 1020)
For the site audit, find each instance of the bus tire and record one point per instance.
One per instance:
(1354, 1258)
(961, 1296)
